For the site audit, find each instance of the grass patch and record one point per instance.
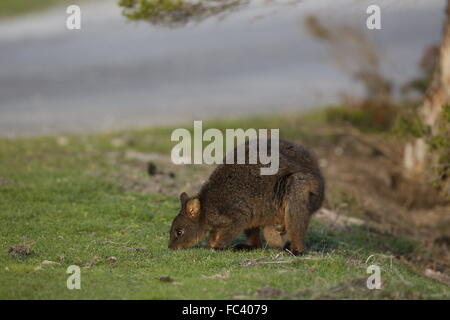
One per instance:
(60, 197)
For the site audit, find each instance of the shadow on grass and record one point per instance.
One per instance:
(362, 239)
(324, 239)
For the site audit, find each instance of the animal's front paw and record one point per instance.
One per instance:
(287, 247)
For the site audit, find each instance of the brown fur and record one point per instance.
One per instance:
(237, 199)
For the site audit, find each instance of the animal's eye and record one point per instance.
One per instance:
(179, 232)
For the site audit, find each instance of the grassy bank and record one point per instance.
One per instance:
(89, 201)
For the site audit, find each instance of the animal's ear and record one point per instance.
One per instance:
(183, 197)
(192, 209)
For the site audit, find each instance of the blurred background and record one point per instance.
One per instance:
(86, 118)
(114, 73)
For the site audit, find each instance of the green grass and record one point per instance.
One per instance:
(17, 7)
(66, 202)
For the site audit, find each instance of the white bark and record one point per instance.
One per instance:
(416, 155)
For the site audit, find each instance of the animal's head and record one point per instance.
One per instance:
(186, 230)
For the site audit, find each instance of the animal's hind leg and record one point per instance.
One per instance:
(253, 240)
(297, 213)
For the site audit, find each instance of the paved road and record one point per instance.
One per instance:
(114, 74)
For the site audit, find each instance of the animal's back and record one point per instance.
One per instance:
(241, 189)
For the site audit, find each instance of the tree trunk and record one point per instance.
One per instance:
(416, 155)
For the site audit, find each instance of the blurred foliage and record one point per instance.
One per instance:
(357, 55)
(440, 144)
(427, 64)
(16, 7)
(174, 13)
(378, 110)
(410, 125)
(367, 116)
(177, 12)
(354, 53)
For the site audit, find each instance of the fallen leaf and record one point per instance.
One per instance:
(50, 262)
(92, 262)
(112, 259)
(22, 250)
(252, 262)
(437, 275)
(165, 279)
